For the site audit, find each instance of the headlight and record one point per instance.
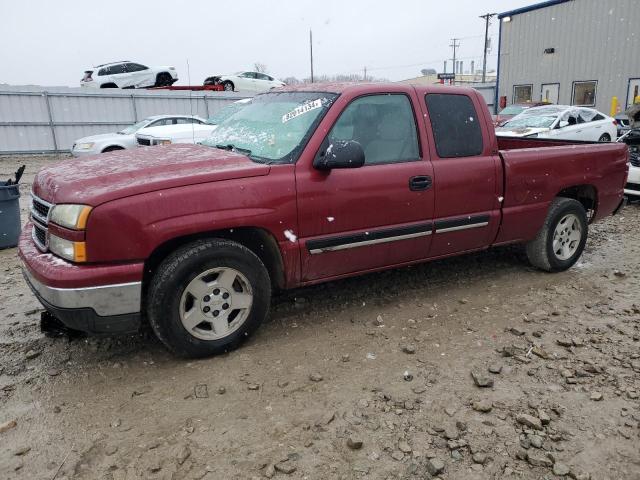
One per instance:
(533, 135)
(67, 249)
(71, 216)
(85, 146)
(163, 142)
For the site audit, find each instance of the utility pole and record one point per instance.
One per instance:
(455, 43)
(365, 74)
(311, 52)
(487, 18)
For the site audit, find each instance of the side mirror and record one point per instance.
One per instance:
(340, 154)
(563, 123)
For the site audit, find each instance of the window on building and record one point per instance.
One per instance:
(522, 93)
(584, 93)
(455, 125)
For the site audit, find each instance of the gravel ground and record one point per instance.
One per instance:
(477, 367)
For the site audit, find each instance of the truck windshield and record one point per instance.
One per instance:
(274, 127)
(226, 111)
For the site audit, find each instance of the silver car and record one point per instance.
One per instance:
(126, 138)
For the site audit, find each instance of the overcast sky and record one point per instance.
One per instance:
(48, 42)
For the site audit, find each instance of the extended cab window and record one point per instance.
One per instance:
(455, 125)
(383, 124)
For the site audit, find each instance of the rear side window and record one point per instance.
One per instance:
(116, 69)
(455, 125)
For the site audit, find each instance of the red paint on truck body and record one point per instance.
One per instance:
(145, 198)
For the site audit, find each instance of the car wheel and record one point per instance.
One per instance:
(208, 297)
(164, 80)
(228, 86)
(605, 137)
(112, 149)
(562, 237)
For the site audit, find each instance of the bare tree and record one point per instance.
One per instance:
(428, 71)
(260, 67)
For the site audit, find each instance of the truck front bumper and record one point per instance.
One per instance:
(99, 299)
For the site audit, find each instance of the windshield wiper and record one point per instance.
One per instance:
(233, 148)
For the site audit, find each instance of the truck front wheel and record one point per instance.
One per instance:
(562, 238)
(208, 297)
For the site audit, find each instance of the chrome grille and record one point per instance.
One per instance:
(40, 211)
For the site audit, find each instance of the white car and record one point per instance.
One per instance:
(128, 74)
(245, 82)
(561, 122)
(126, 138)
(188, 133)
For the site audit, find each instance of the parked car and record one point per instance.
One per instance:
(511, 111)
(306, 185)
(623, 123)
(128, 74)
(126, 138)
(561, 122)
(632, 139)
(245, 81)
(165, 135)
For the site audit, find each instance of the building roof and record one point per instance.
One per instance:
(535, 6)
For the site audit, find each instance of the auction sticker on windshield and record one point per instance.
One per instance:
(307, 107)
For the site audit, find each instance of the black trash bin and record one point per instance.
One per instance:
(9, 214)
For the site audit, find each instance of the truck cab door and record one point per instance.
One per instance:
(375, 216)
(467, 174)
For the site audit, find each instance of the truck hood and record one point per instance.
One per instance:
(519, 132)
(101, 178)
(172, 131)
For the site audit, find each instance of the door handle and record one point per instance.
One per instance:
(420, 182)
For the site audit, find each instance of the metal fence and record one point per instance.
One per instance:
(38, 120)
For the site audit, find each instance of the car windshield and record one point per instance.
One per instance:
(131, 129)
(537, 121)
(225, 112)
(274, 127)
(512, 110)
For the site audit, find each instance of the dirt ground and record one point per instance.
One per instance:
(373, 377)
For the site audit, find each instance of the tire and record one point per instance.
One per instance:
(199, 267)
(112, 149)
(228, 86)
(164, 80)
(605, 137)
(566, 222)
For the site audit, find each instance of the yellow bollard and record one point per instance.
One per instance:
(637, 99)
(614, 107)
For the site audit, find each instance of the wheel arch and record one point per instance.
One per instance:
(258, 240)
(112, 147)
(586, 194)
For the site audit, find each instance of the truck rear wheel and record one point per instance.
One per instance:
(562, 238)
(208, 297)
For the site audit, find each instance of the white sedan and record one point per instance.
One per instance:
(561, 122)
(245, 82)
(128, 74)
(125, 138)
(188, 133)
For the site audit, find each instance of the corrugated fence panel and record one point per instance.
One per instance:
(37, 119)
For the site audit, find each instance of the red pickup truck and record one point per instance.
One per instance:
(305, 185)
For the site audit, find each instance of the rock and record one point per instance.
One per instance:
(564, 342)
(540, 352)
(545, 419)
(560, 469)
(222, 390)
(407, 375)
(253, 386)
(404, 447)
(516, 331)
(316, 377)
(22, 451)
(183, 454)
(345, 358)
(483, 406)
(326, 419)
(378, 322)
(480, 458)
(286, 467)
(110, 450)
(450, 411)
(451, 433)
(31, 354)
(481, 380)
(529, 421)
(538, 459)
(6, 426)
(270, 471)
(354, 443)
(53, 372)
(495, 368)
(397, 455)
(596, 396)
(535, 441)
(435, 466)
(409, 349)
